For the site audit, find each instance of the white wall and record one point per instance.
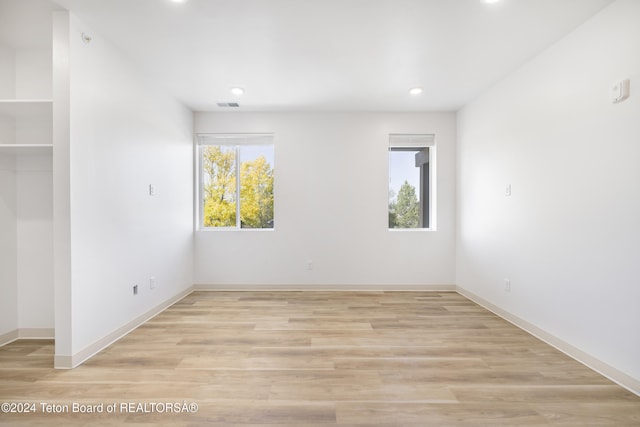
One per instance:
(34, 208)
(33, 73)
(8, 246)
(331, 199)
(61, 159)
(568, 237)
(25, 73)
(125, 135)
(26, 240)
(7, 72)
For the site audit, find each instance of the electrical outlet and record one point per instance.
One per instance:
(309, 265)
(507, 285)
(135, 289)
(152, 283)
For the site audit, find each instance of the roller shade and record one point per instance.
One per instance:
(411, 140)
(235, 139)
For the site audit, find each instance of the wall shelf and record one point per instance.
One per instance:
(18, 108)
(26, 149)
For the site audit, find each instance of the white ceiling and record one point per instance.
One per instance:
(331, 54)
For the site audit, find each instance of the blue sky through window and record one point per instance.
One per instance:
(402, 167)
(252, 152)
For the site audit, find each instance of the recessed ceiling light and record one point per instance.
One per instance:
(415, 91)
(237, 90)
(490, 1)
(179, 1)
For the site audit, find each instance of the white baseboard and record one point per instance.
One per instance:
(333, 288)
(36, 333)
(70, 362)
(615, 375)
(9, 337)
(26, 334)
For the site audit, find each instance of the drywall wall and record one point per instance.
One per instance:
(568, 235)
(331, 205)
(26, 252)
(33, 73)
(7, 72)
(125, 134)
(61, 159)
(34, 208)
(8, 246)
(25, 73)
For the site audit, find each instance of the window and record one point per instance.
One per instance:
(411, 173)
(235, 181)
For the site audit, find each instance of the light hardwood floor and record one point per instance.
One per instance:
(319, 359)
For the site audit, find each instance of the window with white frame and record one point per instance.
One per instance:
(235, 181)
(411, 181)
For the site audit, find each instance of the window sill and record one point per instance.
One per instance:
(239, 230)
(405, 230)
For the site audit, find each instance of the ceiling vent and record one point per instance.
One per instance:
(228, 104)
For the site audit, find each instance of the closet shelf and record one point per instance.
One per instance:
(26, 149)
(16, 108)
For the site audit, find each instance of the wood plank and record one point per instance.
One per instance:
(321, 359)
